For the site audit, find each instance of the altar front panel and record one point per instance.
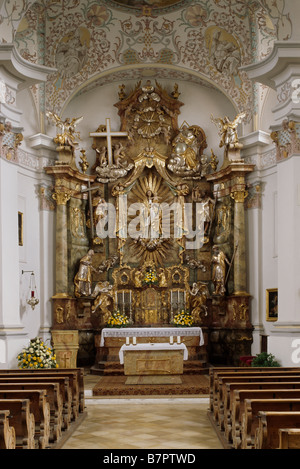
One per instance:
(110, 341)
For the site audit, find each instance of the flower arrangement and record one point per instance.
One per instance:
(151, 277)
(37, 355)
(183, 319)
(118, 320)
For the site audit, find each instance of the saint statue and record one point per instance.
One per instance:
(186, 147)
(83, 278)
(205, 214)
(219, 261)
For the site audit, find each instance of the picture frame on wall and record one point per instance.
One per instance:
(20, 228)
(272, 304)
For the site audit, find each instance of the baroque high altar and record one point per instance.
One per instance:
(154, 228)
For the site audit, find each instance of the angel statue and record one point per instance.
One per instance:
(68, 129)
(228, 130)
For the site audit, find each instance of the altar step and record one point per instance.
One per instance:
(109, 368)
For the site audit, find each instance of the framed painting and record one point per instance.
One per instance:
(20, 228)
(272, 304)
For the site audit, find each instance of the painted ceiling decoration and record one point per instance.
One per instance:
(87, 41)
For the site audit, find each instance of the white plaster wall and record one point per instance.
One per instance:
(262, 258)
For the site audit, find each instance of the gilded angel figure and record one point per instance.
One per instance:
(68, 133)
(228, 129)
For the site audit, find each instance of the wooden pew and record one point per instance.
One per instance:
(7, 433)
(215, 372)
(219, 410)
(233, 403)
(269, 424)
(22, 420)
(289, 438)
(63, 382)
(75, 382)
(73, 377)
(250, 414)
(79, 372)
(53, 398)
(223, 377)
(40, 409)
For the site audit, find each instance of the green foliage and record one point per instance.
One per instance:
(265, 360)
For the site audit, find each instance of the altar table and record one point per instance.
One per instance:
(153, 359)
(152, 332)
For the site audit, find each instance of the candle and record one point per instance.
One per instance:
(134, 340)
(178, 339)
(127, 340)
(171, 340)
(32, 294)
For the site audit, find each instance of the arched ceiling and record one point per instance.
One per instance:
(88, 42)
(156, 6)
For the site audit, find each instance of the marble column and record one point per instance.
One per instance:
(239, 267)
(61, 280)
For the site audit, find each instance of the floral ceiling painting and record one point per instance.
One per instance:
(84, 41)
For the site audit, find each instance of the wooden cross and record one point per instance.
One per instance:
(89, 191)
(109, 135)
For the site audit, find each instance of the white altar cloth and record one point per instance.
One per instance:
(146, 347)
(151, 332)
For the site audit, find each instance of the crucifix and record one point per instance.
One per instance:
(109, 135)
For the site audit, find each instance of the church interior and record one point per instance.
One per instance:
(149, 214)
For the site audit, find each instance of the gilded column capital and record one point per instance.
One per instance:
(62, 197)
(239, 196)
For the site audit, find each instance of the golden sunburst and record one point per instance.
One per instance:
(156, 223)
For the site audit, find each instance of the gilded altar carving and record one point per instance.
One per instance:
(228, 130)
(61, 197)
(150, 269)
(103, 300)
(219, 261)
(69, 134)
(199, 293)
(77, 222)
(239, 196)
(286, 139)
(83, 278)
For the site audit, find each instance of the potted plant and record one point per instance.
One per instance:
(265, 359)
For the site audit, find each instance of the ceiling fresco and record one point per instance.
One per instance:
(86, 42)
(158, 6)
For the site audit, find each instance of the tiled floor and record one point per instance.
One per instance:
(167, 423)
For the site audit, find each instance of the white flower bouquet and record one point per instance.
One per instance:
(37, 355)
